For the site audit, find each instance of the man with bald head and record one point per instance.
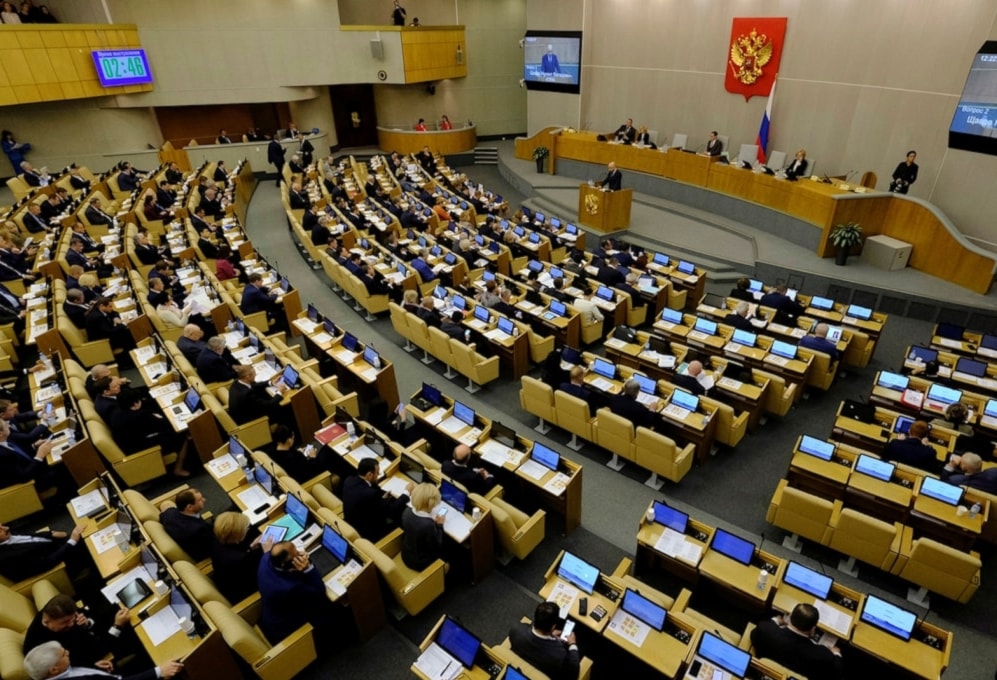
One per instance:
(967, 470)
(819, 342)
(692, 379)
(474, 479)
(249, 400)
(192, 342)
(614, 178)
(626, 132)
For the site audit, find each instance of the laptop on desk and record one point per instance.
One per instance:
(716, 659)
(330, 553)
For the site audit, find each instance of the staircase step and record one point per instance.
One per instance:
(486, 155)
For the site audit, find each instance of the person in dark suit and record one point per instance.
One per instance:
(714, 147)
(422, 540)
(256, 297)
(798, 168)
(427, 312)
(25, 556)
(614, 178)
(173, 174)
(625, 404)
(452, 325)
(128, 179)
(51, 660)
(104, 323)
(458, 468)
(967, 470)
(689, 380)
(211, 364)
(425, 271)
(291, 593)
(786, 309)
(235, 556)
(786, 640)
(89, 243)
(319, 232)
(18, 465)
(75, 308)
(249, 400)
(904, 175)
(504, 305)
(33, 220)
(78, 181)
(182, 520)
(575, 385)
(212, 204)
(819, 342)
(298, 198)
(146, 252)
(740, 290)
(190, 343)
(135, 428)
(626, 133)
(913, 449)
(374, 282)
(293, 459)
(740, 318)
(541, 646)
(95, 214)
(366, 507)
(106, 402)
(75, 255)
(275, 156)
(609, 273)
(61, 621)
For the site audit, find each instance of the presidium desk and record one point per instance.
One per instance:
(816, 203)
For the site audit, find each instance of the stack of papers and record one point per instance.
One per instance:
(254, 497)
(222, 465)
(89, 503)
(437, 664)
(452, 425)
(339, 580)
(673, 544)
(395, 486)
(629, 628)
(456, 525)
(533, 470)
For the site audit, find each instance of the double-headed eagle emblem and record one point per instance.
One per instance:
(592, 203)
(748, 54)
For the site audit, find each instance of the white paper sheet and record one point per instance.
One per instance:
(533, 470)
(161, 626)
(436, 663)
(833, 618)
(630, 629)
(456, 525)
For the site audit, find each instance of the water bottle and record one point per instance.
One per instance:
(121, 541)
(650, 514)
(763, 579)
(974, 510)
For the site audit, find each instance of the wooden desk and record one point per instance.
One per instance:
(649, 556)
(741, 580)
(595, 599)
(474, 673)
(824, 478)
(942, 522)
(913, 656)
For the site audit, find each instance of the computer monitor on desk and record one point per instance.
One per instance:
(463, 413)
(892, 381)
(670, 517)
(578, 572)
(732, 546)
(458, 642)
(545, 456)
(888, 617)
(807, 580)
(716, 659)
(643, 609)
(941, 491)
(874, 467)
(816, 447)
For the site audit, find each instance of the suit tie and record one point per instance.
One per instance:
(17, 449)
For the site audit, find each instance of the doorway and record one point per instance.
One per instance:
(355, 115)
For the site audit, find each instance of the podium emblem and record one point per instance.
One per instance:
(748, 54)
(592, 203)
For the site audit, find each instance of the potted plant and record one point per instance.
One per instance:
(844, 237)
(539, 155)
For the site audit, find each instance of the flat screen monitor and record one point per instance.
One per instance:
(661, 259)
(874, 467)
(240, 326)
(234, 447)
(941, 491)
(902, 425)
(312, 313)
(149, 561)
(647, 385)
(892, 381)
(670, 517)
(578, 572)
(334, 543)
(459, 302)
(179, 604)
(504, 435)
(506, 326)
(329, 327)
(290, 376)
(440, 292)
(556, 273)
(686, 400)
(972, 125)
(924, 354)
(558, 308)
(463, 413)
(988, 341)
(604, 293)
(481, 313)
(686, 267)
(642, 608)
(535, 266)
(450, 258)
(453, 496)
(571, 229)
(436, 251)
(487, 276)
(823, 303)
(555, 223)
(834, 334)
(706, 326)
(401, 269)
(422, 242)
(285, 284)
(192, 400)
(671, 315)
(297, 510)
(943, 394)
(606, 369)
(755, 286)
(783, 349)
(746, 338)
(723, 654)
(545, 456)
(458, 642)
(733, 546)
(539, 217)
(552, 61)
(494, 246)
(861, 313)
(264, 479)
(350, 342)
(807, 580)
(977, 369)
(816, 447)
(371, 356)
(254, 342)
(534, 237)
(519, 231)
(888, 617)
(571, 355)
(432, 395)
(480, 240)
(950, 331)
(990, 410)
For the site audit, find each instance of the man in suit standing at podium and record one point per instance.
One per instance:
(614, 179)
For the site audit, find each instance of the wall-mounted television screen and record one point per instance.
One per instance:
(974, 123)
(553, 61)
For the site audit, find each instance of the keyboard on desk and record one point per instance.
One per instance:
(323, 561)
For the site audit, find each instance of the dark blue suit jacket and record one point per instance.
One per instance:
(255, 300)
(213, 367)
(289, 598)
(821, 345)
(425, 271)
(16, 468)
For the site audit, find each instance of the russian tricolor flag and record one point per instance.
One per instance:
(763, 132)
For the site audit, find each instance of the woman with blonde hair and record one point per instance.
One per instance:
(235, 556)
(422, 522)
(798, 167)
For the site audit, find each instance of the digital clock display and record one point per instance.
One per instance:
(122, 67)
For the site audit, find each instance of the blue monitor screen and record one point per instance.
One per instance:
(297, 510)
(422, 241)
(892, 381)
(944, 394)
(264, 479)
(334, 543)
(191, 400)
(571, 229)
(435, 251)
(863, 313)
(450, 258)
(545, 456)
(539, 218)
(463, 413)
(686, 400)
(706, 326)
(312, 312)
(494, 246)
(733, 547)
(513, 674)
(454, 496)
(971, 366)
(371, 357)
(941, 491)
(555, 222)
(990, 410)
(821, 303)
(647, 385)
(660, 259)
(783, 349)
(888, 617)
(639, 606)
(285, 284)
(733, 660)
(571, 355)
(519, 231)
(923, 353)
(604, 368)
(556, 273)
(350, 342)
(481, 313)
(458, 642)
(535, 266)
(686, 267)
(808, 580)
(558, 308)
(290, 376)
(234, 447)
(670, 517)
(671, 315)
(440, 292)
(746, 338)
(254, 342)
(989, 341)
(875, 468)
(488, 276)
(179, 604)
(578, 572)
(755, 286)
(401, 269)
(329, 327)
(459, 302)
(816, 447)
(480, 240)
(506, 326)
(604, 293)
(903, 424)
(431, 394)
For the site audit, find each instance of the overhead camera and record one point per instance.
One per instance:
(522, 43)
(522, 82)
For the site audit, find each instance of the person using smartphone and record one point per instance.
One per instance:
(422, 522)
(542, 645)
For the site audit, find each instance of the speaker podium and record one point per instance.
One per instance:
(604, 211)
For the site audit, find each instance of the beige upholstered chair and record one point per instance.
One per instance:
(17, 610)
(935, 567)
(615, 434)
(864, 538)
(478, 369)
(802, 514)
(412, 590)
(662, 456)
(573, 415)
(517, 532)
(279, 661)
(537, 397)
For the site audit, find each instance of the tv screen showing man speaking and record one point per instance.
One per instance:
(552, 61)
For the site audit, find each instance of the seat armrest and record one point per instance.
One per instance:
(250, 608)
(391, 544)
